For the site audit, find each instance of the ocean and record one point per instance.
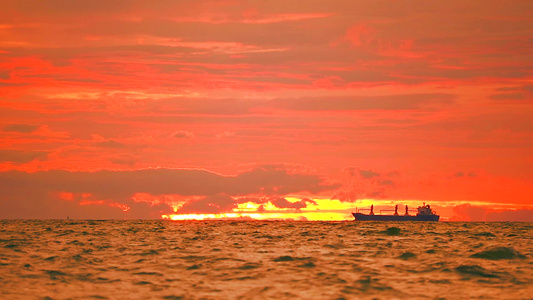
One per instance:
(66, 259)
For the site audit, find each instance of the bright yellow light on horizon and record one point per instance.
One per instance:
(184, 217)
(300, 216)
(324, 210)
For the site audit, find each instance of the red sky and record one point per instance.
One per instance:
(265, 109)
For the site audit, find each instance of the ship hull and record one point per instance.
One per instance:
(363, 217)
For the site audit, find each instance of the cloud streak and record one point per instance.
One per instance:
(111, 188)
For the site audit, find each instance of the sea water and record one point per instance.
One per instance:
(64, 259)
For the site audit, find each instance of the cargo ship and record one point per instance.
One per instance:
(424, 213)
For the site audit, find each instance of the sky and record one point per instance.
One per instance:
(304, 110)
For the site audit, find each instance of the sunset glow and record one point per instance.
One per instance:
(195, 110)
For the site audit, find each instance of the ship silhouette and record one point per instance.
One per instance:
(424, 213)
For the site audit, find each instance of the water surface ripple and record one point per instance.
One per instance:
(60, 259)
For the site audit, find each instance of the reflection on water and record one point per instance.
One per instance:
(60, 259)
